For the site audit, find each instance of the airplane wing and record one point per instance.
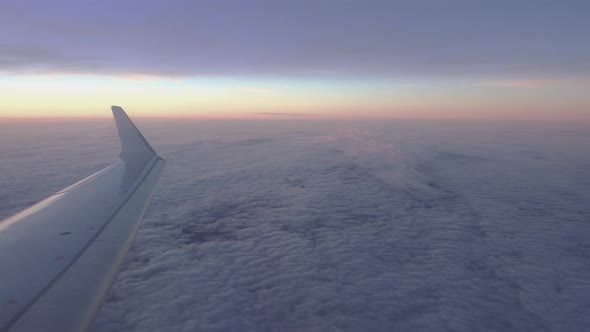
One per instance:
(59, 258)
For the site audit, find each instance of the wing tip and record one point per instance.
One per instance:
(117, 110)
(132, 140)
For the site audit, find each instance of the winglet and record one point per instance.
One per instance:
(133, 144)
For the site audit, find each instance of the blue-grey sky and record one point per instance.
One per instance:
(509, 43)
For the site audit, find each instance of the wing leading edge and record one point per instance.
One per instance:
(58, 258)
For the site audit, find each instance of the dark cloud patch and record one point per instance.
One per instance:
(35, 59)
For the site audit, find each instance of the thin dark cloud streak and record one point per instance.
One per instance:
(303, 38)
(282, 114)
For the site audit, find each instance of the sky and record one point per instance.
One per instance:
(296, 59)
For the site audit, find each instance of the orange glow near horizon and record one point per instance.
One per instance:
(214, 97)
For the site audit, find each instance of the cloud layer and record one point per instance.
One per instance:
(316, 226)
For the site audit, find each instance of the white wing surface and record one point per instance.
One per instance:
(59, 257)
